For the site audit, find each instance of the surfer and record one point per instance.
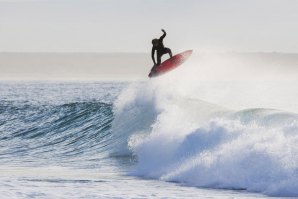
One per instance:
(160, 49)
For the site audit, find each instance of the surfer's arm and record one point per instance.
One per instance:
(152, 55)
(164, 34)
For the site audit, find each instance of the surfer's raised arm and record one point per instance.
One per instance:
(164, 34)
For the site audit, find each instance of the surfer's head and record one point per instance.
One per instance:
(155, 42)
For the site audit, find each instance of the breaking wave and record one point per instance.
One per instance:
(190, 141)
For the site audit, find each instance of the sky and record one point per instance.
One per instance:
(130, 25)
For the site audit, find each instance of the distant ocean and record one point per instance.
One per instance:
(153, 139)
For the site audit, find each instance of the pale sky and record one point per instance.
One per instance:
(130, 25)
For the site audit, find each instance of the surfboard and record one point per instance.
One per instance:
(170, 64)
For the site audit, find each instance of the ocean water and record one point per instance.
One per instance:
(155, 139)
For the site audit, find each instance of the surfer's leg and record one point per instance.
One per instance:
(169, 51)
(158, 58)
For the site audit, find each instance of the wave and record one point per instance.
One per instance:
(190, 141)
(54, 133)
(173, 132)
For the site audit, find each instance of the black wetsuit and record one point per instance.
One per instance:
(160, 50)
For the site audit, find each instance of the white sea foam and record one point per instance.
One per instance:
(178, 137)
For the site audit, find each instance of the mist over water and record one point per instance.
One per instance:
(232, 133)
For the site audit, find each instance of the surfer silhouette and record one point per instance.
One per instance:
(160, 49)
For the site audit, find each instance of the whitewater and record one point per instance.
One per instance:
(169, 137)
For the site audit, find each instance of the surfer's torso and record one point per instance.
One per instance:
(160, 47)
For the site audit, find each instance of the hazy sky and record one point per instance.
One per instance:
(129, 25)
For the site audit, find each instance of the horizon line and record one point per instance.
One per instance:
(118, 52)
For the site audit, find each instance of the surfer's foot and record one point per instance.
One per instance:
(153, 68)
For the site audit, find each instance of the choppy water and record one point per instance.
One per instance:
(140, 140)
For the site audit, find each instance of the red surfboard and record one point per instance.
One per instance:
(170, 64)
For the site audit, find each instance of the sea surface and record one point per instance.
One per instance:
(151, 139)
